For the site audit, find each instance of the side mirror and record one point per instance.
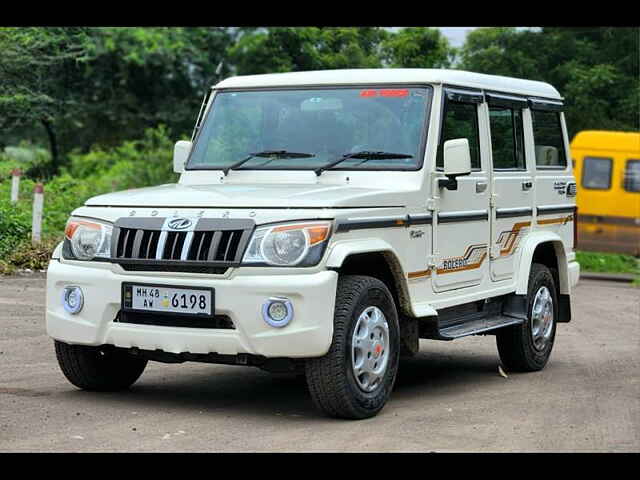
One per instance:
(457, 162)
(180, 153)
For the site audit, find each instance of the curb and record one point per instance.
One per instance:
(612, 277)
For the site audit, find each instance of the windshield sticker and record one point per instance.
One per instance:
(385, 92)
(368, 93)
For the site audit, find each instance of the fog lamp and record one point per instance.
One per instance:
(72, 299)
(277, 311)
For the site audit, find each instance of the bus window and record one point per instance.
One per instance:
(596, 173)
(632, 176)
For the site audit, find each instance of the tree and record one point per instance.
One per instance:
(39, 79)
(286, 49)
(101, 86)
(139, 78)
(419, 47)
(595, 69)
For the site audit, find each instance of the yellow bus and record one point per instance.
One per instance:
(607, 171)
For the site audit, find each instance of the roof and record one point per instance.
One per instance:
(607, 140)
(395, 75)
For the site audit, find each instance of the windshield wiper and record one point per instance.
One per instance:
(267, 153)
(365, 154)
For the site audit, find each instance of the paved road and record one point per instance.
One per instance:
(449, 398)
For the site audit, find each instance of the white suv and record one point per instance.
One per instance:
(323, 223)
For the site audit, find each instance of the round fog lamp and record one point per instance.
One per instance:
(277, 311)
(72, 299)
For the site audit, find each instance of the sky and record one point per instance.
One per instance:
(456, 35)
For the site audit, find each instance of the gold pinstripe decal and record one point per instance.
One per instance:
(508, 237)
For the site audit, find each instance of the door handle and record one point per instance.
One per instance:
(481, 187)
(527, 185)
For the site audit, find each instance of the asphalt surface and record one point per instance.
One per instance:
(451, 397)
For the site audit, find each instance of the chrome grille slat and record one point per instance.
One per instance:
(161, 241)
(137, 239)
(213, 248)
(204, 245)
(229, 243)
(186, 246)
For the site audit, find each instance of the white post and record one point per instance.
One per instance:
(38, 201)
(15, 184)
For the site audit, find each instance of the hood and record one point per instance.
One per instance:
(254, 196)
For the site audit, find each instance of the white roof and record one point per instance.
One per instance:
(394, 75)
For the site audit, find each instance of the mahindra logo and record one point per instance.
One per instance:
(179, 223)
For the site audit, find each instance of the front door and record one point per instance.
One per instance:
(462, 223)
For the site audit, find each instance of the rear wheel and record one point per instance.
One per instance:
(355, 378)
(104, 368)
(527, 347)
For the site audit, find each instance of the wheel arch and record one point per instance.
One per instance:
(375, 258)
(547, 248)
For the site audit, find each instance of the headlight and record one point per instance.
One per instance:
(297, 244)
(86, 240)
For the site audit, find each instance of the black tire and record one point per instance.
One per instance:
(330, 378)
(100, 369)
(515, 344)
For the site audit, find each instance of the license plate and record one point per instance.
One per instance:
(167, 299)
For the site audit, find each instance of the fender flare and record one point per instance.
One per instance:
(340, 251)
(528, 248)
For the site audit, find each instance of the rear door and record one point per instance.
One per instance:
(512, 182)
(461, 228)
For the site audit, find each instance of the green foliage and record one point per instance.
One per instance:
(74, 88)
(40, 79)
(98, 98)
(595, 69)
(31, 160)
(608, 262)
(133, 164)
(284, 49)
(7, 165)
(419, 47)
(15, 227)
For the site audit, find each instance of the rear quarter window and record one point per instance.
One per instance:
(547, 135)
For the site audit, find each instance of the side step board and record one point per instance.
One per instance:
(475, 318)
(474, 327)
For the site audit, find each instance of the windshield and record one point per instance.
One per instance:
(311, 128)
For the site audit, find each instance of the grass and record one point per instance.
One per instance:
(608, 263)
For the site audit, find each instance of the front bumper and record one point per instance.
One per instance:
(240, 298)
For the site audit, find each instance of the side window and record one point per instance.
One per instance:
(507, 140)
(632, 176)
(461, 121)
(547, 135)
(596, 173)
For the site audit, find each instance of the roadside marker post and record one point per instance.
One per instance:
(15, 184)
(38, 202)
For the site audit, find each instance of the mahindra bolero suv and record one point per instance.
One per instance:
(323, 223)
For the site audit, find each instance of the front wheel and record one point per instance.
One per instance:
(355, 378)
(103, 369)
(527, 347)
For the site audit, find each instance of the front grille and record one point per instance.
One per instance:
(219, 322)
(209, 243)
